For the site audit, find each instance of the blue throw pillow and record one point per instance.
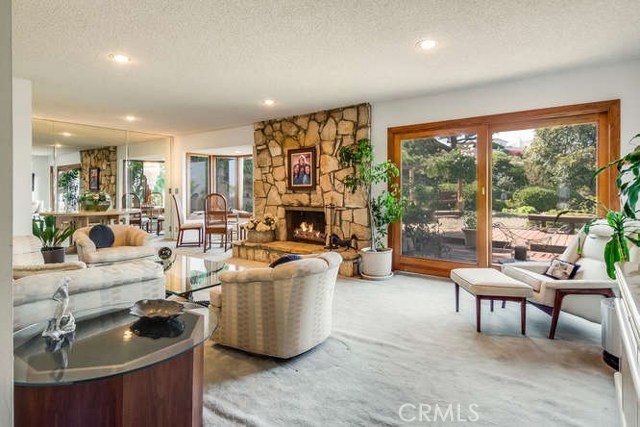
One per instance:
(285, 259)
(102, 236)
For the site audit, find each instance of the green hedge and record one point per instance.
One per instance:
(541, 199)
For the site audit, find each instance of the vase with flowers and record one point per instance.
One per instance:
(261, 230)
(95, 201)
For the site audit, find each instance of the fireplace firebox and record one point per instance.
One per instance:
(306, 226)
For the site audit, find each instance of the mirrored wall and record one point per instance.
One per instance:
(78, 168)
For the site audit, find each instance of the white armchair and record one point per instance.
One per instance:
(282, 311)
(130, 243)
(581, 295)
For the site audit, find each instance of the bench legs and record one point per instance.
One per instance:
(479, 298)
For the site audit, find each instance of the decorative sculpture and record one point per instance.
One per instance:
(63, 323)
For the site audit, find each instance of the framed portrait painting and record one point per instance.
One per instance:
(302, 168)
(94, 179)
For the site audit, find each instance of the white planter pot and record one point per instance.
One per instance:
(376, 264)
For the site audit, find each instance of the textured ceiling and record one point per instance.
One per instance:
(202, 65)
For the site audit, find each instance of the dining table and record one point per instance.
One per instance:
(84, 218)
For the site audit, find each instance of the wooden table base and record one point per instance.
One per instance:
(167, 394)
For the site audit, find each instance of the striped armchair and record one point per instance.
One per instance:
(282, 311)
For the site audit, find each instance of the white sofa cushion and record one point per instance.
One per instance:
(489, 282)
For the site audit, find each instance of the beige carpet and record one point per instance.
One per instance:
(400, 342)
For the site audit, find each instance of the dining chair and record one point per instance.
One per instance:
(216, 220)
(184, 225)
(132, 201)
(156, 212)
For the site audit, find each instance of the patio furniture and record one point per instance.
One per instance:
(130, 244)
(281, 311)
(216, 221)
(581, 295)
(184, 225)
(490, 284)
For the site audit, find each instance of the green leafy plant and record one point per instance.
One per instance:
(628, 180)
(69, 184)
(51, 236)
(470, 220)
(616, 249)
(389, 205)
(542, 199)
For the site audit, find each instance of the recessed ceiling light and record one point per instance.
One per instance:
(67, 134)
(426, 44)
(237, 152)
(269, 102)
(119, 58)
(130, 118)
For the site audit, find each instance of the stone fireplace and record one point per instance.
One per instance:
(326, 132)
(305, 218)
(306, 225)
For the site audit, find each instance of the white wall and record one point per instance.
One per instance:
(6, 302)
(587, 84)
(68, 159)
(40, 167)
(22, 136)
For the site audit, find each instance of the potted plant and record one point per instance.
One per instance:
(51, 237)
(261, 230)
(470, 229)
(624, 225)
(69, 183)
(95, 201)
(385, 208)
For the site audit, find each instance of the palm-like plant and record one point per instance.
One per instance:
(50, 235)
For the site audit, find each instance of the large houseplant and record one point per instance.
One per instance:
(52, 238)
(625, 225)
(385, 208)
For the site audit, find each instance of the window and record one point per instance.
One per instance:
(231, 176)
(496, 189)
(68, 187)
(144, 178)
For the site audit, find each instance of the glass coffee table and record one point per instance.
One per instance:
(191, 277)
(114, 370)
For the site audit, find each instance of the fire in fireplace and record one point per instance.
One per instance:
(306, 226)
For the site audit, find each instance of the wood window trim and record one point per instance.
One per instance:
(605, 113)
(212, 170)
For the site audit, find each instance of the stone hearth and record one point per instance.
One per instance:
(269, 252)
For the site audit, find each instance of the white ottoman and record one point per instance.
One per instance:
(490, 284)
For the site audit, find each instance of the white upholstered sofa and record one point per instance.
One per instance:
(89, 289)
(27, 259)
(130, 243)
(281, 311)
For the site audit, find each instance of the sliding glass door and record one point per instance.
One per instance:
(439, 174)
(491, 190)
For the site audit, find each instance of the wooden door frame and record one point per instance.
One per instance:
(605, 113)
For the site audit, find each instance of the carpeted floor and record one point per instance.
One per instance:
(400, 342)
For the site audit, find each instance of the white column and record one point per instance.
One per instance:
(6, 289)
(22, 137)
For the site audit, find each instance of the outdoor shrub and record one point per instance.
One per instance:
(541, 199)
(498, 205)
(469, 194)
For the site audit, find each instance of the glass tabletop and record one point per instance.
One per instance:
(186, 275)
(110, 342)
